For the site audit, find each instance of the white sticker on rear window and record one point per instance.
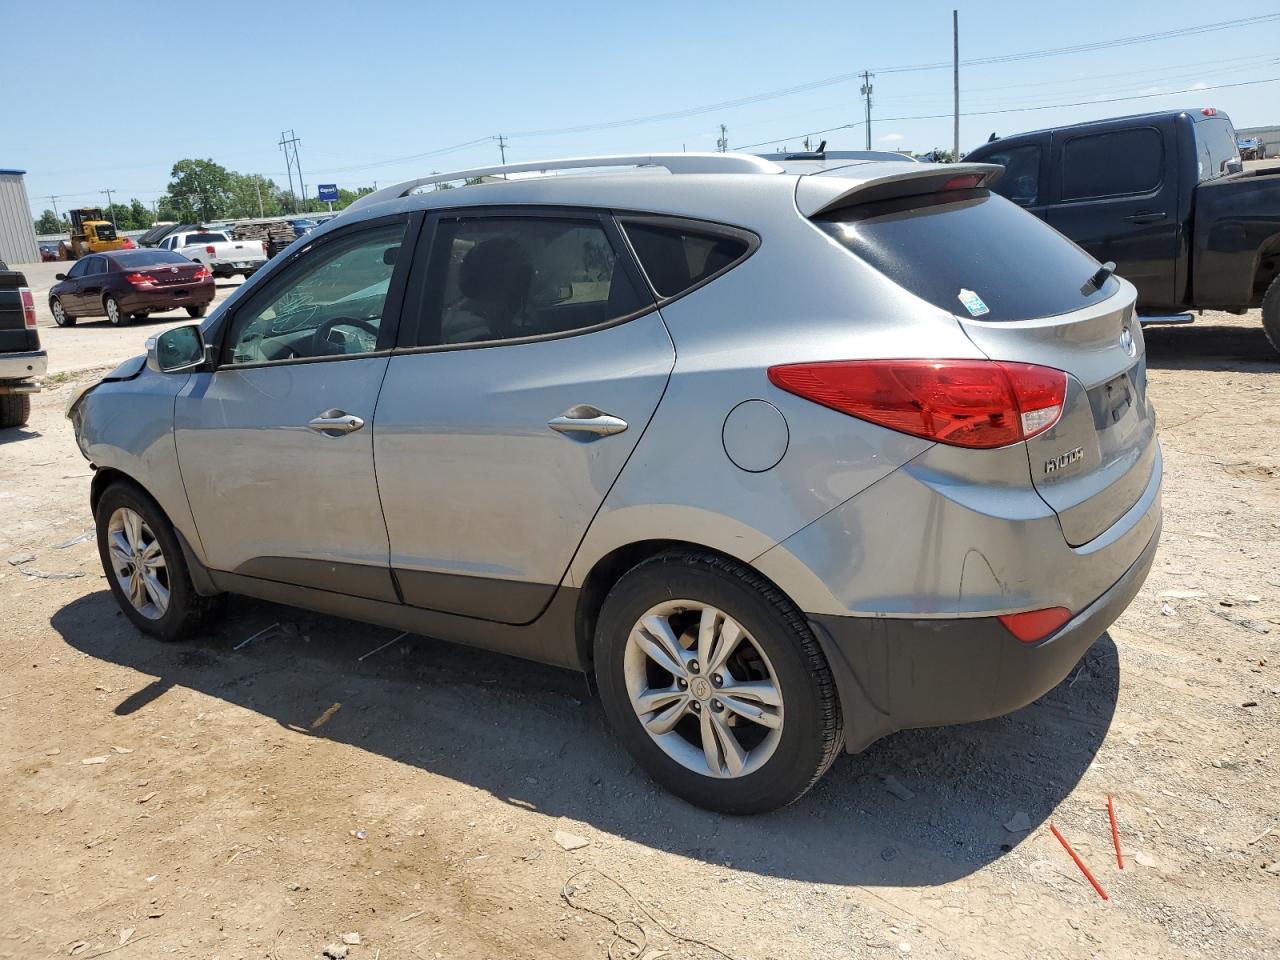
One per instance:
(973, 303)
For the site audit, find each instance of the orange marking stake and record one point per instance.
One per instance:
(1115, 832)
(1079, 863)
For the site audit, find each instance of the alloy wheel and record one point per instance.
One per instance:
(113, 311)
(703, 689)
(59, 315)
(138, 562)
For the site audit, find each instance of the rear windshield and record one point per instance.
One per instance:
(145, 258)
(205, 238)
(976, 255)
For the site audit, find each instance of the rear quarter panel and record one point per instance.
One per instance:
(1235, 218)
(800, 297)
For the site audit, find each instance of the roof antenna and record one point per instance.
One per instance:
(993, 138)
(822, 147)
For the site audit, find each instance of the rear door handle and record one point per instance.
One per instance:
(1147, 216)
(335, 423)
(585, 422)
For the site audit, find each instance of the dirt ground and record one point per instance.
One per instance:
(201, 800)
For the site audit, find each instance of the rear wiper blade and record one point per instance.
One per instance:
(1099, 278)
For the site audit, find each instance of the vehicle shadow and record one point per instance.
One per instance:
(14, 434)
(1223, 347)
(533, 737)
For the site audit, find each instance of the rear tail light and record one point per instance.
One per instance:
(28, 307)
(1035, 625)
(264, 248)
(965, 403)
(202, 273)
(210, 250)
(140, 279)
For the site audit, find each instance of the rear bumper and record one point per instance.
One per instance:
(23, 366)
(896, 674)
(168, 297)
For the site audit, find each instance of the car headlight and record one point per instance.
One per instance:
(77, 393)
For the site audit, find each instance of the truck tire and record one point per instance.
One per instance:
(15, 408)
(1271, 314)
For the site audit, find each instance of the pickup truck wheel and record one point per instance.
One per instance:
(15, 408)
(145, 566)
(196, 312)
(60, 316)
(117, 316)
(1271, 314)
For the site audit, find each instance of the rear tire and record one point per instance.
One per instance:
(15, 408)
(1271, 314)
(117, 316)
(132, 532)
(773, 692)
(60, 316)
(197, 312)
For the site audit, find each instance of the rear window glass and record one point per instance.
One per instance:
(1216, 148)
(144, 258)
(205, 238)
(1112, 164)
(977, 255)
(676, 258)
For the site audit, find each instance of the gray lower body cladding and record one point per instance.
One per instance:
(896, 674)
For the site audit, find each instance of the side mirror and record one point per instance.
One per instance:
(59, 276)
(180, 350)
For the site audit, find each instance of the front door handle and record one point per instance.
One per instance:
(585, 422)
(1147, 216)
(335, 423)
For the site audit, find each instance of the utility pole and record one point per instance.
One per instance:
(866, 93)
(110, 210)
(289, 144)
(955, 80)
(257, 186)
(54, 200)
(502, 150)
(723, 143)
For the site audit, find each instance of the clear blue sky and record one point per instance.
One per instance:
(110, 95)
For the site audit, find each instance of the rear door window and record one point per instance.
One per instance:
(1216, 148)
(971, 253)
(1021, 179)
(1116, 163)
(677, 257)
(495, 278)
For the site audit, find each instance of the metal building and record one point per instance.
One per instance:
(17, 232)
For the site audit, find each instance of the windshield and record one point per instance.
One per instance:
(972, 253)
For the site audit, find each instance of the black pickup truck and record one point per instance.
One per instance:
(21, 359)
(1165, 197)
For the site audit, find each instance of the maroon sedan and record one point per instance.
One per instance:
(127, 285)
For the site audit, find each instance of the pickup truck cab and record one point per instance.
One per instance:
(21, 359)
(1165, 197)
(223, 256)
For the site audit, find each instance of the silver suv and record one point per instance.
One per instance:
(788, 456)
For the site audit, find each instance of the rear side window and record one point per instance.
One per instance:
(511, 278)
(975, 255)
(1112, 164)
(677, 258)
(1021, 179)
(1216, 148)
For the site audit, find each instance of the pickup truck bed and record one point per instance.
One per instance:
(21, 359)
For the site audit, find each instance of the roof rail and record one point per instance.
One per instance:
(675, 163)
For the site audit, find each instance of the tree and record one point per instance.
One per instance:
(940, 155)
(49, 223)
(253, 195)
(140, 215)
(200, 189)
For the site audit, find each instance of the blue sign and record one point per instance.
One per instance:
(328, 192)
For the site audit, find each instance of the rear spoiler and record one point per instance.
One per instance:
(818, 194)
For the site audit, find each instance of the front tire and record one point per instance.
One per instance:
(145, 566)
(60, 316)
(117, 316)
(15, 409)
(715, 683)
(1271, 314)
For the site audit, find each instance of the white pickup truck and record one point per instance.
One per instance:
(224, 257)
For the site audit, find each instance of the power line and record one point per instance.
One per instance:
(845, 77)
(986, 113)
(407, 159)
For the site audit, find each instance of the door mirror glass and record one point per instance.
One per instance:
(176, 351)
